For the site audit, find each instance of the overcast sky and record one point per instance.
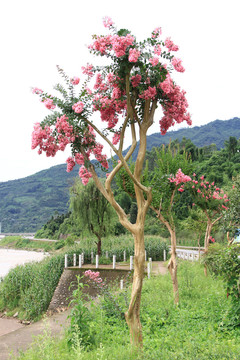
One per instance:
(38, 35)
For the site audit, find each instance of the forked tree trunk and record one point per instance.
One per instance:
(132, 315)
(172, 266)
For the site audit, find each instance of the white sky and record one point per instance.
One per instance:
(38, 35)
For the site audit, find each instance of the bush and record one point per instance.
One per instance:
(224, 261)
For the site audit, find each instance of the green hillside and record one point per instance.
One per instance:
(26, 204)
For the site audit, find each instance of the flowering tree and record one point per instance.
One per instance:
(126, 93)
(231, 218)
(168, 183)
(212, 200)
(166, 190)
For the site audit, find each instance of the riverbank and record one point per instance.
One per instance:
(10, 258)
(28, 244)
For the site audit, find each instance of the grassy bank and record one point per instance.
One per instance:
(193, 330)
(17, 242)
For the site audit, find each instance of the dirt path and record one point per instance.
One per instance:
(22, 338)
(15, 337)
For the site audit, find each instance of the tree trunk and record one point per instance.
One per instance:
(133, 313)
(99, 247)
(206, 241)
(172, 266)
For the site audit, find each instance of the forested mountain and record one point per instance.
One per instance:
(26, 204)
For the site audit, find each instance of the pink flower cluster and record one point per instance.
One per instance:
(157, 49)
(37, 91)
(170, 45)
(175, 108)
(78, 107)
(156, 32)
(49, 104)
(154, 61)
(209, 192)
(117, 43)
(43, 137)
(179, 179)
(133, 55)
(135, 80)
(94, 276)
(116, 138)
(65, 131)
(150, 93)
(211, 239)
(88, 70)
(177, 64)
(84, 174)
(107, 22)
(75, 80)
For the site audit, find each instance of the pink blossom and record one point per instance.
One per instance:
(181, 189)
(150, 93)
(89, 91)
(75, 80)
(49, 104)
(84, 174)
(156, 32)
(157, 50)
(120, 44)
(78, 107)
(177, 64)
(37, 91)
(44, 139)
(87, 70)
(116, 138)
(135, 80)
(154, 61)
(211, 239)
(70, 164)
(167, 85)
(170, 45)
(107, 22)
(79, 158)
(133, 55)
(179, 178)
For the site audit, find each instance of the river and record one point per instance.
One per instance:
(10, 258)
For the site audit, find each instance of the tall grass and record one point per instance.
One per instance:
(29, 288)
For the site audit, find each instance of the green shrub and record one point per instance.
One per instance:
(224, 261)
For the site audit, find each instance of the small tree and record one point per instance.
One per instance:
(212, 201)
(92, 209)
(126, 93)
(232, 216)
(166, 190)
(168, 182)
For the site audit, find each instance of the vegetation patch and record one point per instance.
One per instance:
(192, 330)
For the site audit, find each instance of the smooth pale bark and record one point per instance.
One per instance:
(132, 315)
(172, 264)
(143, 198)
(210, 224)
